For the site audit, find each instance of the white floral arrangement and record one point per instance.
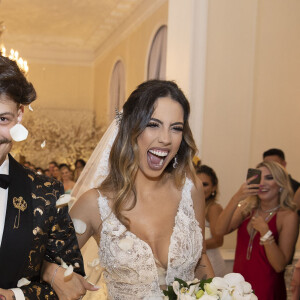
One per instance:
(231, 287)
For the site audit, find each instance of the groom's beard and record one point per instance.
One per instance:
(5, 147)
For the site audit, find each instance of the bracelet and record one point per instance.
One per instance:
(266, 236)
(53, 276)
(269, 241)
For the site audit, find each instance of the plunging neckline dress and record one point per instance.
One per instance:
(130, 268)
(266, 282)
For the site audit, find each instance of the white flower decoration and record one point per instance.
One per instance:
(220, 283)
(247, 288)
(80, 226)
(64, 200)
(210, 289)
(233, 279)
(63, 264)
(68, 272)
(23, 281)
(126, 243)
(95, 262)
(208, 297)
(18, 133)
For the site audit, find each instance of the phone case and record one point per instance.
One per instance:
(252, 172)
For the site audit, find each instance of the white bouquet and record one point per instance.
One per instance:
(231, 287)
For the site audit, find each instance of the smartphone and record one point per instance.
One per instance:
(252, 172)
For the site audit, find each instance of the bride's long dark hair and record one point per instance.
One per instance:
(123, 160)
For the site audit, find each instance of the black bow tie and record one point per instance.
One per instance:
(4, 181)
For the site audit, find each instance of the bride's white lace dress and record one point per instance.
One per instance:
(130, 268)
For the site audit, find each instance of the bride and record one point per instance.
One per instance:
(147, 215)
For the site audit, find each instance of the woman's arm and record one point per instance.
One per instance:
(297, 198)
(279, 255)
(231, 217)
(203, 268)
(86, 209)
(213, 213)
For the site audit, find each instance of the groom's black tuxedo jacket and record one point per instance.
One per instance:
(44, 232)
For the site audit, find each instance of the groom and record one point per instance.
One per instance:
(32, 229)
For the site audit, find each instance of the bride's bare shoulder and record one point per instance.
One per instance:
(89, 199)
(92, 194)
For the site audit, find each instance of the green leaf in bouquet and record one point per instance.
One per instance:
(203, 281)
(194, 283)
(170, 293)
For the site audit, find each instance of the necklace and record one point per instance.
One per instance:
(269, 210)
(253, 231)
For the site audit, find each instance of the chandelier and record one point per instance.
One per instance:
(13, 54)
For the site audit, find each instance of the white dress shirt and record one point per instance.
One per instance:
(3, 205)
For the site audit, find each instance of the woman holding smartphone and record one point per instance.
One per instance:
(267, 224)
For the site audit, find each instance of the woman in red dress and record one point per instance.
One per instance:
(267, 230)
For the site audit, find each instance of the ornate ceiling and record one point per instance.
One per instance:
(65, 28)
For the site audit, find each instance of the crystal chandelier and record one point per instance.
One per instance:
(13, 55)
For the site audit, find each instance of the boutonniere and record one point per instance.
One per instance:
(20, 204)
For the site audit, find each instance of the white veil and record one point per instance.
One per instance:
(92, 175)
(96, 168)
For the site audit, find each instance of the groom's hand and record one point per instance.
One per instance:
(7, 295)
(72, 289)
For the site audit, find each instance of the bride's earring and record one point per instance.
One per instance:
(175, 163)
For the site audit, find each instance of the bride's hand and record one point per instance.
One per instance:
(72, 289)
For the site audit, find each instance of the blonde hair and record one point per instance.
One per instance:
(123, 159)
(282, 179)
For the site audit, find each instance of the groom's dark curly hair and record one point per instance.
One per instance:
(13, 83)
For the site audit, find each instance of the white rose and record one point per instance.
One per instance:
(193, 288)
(220, 283)
(210, 289)
(225, 295)
(247, 288)
(233, 279)
(208, 297)
(185, 297)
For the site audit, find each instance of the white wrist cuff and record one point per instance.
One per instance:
(18, 294)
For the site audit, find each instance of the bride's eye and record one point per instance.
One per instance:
(152, 125)
(178, 128)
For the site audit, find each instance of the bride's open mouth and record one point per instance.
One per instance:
(156, 158)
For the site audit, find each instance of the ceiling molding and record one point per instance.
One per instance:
(77, 33)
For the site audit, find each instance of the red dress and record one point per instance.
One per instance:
(266, 282)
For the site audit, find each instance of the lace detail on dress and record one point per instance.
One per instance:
(130, 268)
(185, 249)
